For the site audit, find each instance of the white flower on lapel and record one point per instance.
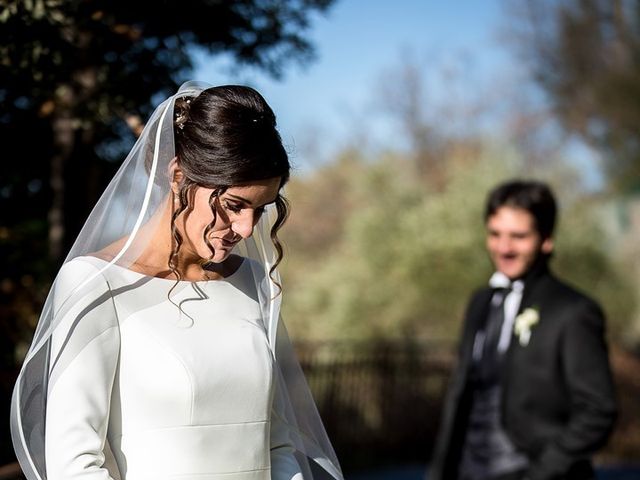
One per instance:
(523, 324)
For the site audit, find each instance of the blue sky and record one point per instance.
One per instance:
(356, 43)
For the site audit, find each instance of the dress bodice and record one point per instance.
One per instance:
(191, 380)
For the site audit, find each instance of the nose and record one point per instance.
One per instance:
(243, 226)
(504, 246)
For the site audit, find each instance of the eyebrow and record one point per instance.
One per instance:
(237, 197)
(491, 231)
(248, 202)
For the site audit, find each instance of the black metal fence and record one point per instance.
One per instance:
(380, 401)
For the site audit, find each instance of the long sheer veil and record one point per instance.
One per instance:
(124, 216)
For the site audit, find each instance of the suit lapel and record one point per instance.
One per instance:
(533, 296)
(476, 321)
(532, 284)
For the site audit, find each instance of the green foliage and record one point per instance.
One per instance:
(588, 259)
(585, 54)
(394, 271)
(400, 258)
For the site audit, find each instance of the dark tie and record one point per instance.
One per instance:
(490, 361)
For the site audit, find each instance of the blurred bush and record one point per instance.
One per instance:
(379, 251)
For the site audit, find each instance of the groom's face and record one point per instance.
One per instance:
(513, 242)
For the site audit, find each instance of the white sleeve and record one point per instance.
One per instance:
(284, 465)
(84, 356)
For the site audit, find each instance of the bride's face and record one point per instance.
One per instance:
(238, 210)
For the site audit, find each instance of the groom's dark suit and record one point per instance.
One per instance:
(558, 402)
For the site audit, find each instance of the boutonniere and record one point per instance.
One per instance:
(523, 324)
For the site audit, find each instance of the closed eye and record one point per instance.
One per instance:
(237, 208)
(233, 207)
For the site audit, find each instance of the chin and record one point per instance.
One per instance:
(514, 273)
(511, 271)
(220, 257)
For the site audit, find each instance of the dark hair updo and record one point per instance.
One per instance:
(227, 136)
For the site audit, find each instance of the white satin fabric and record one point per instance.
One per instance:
(161, 392)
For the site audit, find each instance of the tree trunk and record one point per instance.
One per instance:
(63, 138)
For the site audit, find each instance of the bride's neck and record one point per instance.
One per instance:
(154, 260)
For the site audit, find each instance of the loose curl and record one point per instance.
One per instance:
(226, 136)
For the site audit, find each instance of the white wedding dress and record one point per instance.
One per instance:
(162, 392)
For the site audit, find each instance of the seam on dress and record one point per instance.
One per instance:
(160, 344)
(179, 427)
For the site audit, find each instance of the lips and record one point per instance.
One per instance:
(227, 243)
(508, 261)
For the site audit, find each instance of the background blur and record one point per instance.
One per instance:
(399, 117)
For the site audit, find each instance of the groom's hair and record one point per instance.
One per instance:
(533, 196)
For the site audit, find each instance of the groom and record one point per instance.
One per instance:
(532, 396)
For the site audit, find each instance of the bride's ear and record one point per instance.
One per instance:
(175, 175)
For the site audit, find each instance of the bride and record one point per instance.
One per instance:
(160, 352)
